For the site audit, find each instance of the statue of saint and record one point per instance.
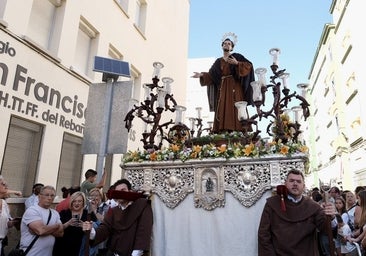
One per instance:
(209, 185)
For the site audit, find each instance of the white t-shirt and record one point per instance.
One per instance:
(345, 231)
(4, 218)
(44, 245)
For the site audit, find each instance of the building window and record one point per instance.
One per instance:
(136, 84)
(70, 163)
(43, 21)
(140, 20)
(123, 4)
(330, 53)
(114, 53)
(86, 48)
(333, 87)
(22, 149)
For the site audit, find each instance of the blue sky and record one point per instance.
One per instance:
(293, 26)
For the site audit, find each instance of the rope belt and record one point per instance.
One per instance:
(223, 77)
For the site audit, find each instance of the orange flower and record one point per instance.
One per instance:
(194, 155)
(284, 150)
(248, 149)
(304, 149)
(197, 148)
(153, 156)
(174, 147)
(222, 148)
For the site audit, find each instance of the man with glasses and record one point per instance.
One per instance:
(43, 221)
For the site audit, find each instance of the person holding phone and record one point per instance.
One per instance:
(72, 219)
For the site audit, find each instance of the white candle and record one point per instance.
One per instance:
(167, 84)
(242, 110)
(257, 92)
(275, 52)
(157, 67)
(161, 98)
(199, 112)
(261, 74)
(147, 92)
(179, 113)
(192, 121)
(284, 78)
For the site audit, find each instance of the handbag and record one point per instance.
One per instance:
(19, 252)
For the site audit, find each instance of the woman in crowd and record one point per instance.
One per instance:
(71, 218)
(358, 209)
(66, 193)
(340, 205)
(350, 206)
(6, 220)
(95, 202)
(360, 233)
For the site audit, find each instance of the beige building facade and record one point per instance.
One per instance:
(47, 50)
(336, 130)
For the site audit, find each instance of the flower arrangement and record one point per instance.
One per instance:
(211, 150)
(288, 127)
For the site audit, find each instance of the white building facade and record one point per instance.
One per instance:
(47, 50)
(336, 130)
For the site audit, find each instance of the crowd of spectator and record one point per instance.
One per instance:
(349, 225)
(82, 223)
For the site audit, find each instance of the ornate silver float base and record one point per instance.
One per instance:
(246, 178)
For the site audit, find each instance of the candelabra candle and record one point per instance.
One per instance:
(157, 67)
(199, 112)
(257, 92)
(284, 78)
(192, 121)
(167, 84)
(275, 52)
(261, 74)
(296, 110)
(210, 125)
(161, 98)
(303, 87)
(242, 110)
(147, 92)
(179, 113)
